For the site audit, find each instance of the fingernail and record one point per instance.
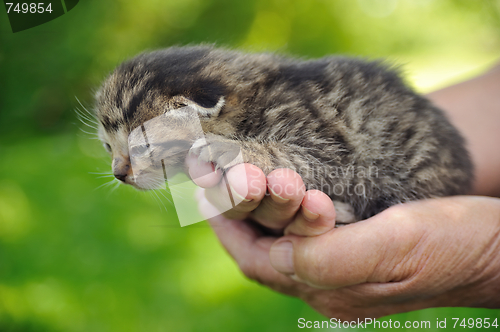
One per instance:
(277, 198)
(296, 278)
(308, 215)
(281, 256)
(238, 197)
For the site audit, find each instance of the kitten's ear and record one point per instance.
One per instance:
(181, 101)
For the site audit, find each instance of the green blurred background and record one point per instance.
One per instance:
(78, 256)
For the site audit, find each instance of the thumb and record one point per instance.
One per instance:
(376, 250)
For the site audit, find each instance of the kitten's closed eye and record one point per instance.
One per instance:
(107, 147)
(179, 105)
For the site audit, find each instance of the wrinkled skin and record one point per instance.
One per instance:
(412, 256)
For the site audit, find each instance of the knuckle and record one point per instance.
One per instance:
(313, 269)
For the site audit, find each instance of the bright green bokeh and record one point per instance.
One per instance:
(77, 258)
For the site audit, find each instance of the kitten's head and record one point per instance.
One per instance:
(151, 110)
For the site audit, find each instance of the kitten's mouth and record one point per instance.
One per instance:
(152, 179)
(144, 183)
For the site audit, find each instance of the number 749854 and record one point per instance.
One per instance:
(475, 323)
(32, 8)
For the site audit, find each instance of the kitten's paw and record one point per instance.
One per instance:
(221, 151)
(344, 213)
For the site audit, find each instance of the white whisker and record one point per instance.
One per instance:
(159, 199)
(86, 124)
(105, 176)
(117, 184)
(88, 133)
(168, 200)
(92, 115)
(105, 184)
(156, 198)
(86, 117)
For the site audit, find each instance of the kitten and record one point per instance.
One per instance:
(349, 127)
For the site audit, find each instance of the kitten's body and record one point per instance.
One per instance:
(341, 123)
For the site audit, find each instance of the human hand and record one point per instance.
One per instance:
(288, 208)
(439, 252)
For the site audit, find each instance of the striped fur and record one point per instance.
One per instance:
(350, 127)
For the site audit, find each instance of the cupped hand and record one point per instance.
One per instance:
(430, 253)
(279, 202)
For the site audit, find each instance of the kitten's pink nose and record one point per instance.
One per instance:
(121, 169)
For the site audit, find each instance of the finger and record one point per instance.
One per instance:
(316, 216)
(203, 174)
(286, 191)
(239, 192)
(363, 252)
(247, 183)
(250, 251)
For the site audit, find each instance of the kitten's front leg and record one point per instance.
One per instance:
(225, 152)
(268, 156)
(221, 151)
(344, 214)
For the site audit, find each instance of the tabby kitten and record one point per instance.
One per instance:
(349, 127)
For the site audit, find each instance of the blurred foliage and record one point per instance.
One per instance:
(77, 258)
